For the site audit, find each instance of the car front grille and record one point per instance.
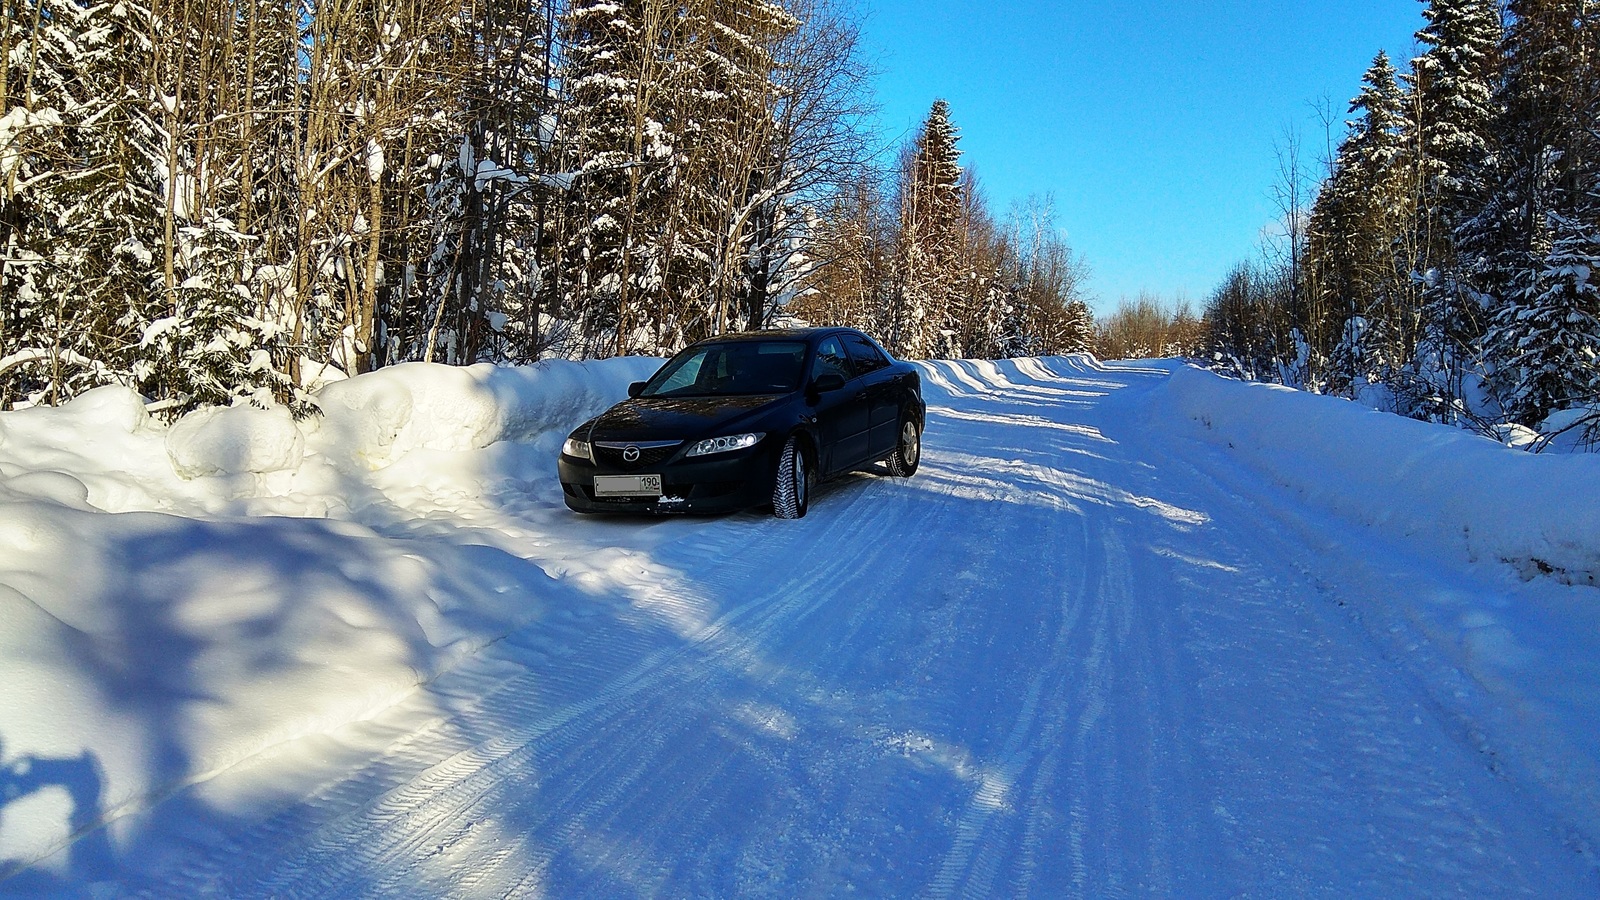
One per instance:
(650, 453)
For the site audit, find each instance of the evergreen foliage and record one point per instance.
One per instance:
(930, 241)
(925, 266)
(1455, 110)
(1452, 246)
(1356, 220)
(226, 202)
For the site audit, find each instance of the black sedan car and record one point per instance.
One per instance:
(747, 420)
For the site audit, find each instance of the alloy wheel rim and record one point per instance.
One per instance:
(911, 446)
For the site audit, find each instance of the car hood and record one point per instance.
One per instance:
(676, 418)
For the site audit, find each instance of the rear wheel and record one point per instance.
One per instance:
(908, 452)
(791, 491)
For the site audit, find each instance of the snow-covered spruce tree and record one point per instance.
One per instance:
(1453, 111)
(1074, 333)
(1355, 222)
(929, 241)
(735, 164)
(148, 274)
(1453, 83)
(243, 148)
(989, 324)
(87, 220)
(210, 338)
(1540, 189)
(1548, 339)
(39, 77)
(212, 347)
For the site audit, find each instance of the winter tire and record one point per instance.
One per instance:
(908, 452)
(791, 491)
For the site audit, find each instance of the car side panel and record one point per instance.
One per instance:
(883, 394)
(843, 420)
(844, 416)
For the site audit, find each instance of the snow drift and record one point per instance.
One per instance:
(1453, 491)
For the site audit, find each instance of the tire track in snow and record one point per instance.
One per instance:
(1092, 701)
(621, 780)
(430, 752)
(373, 837)
(686, 693)
(1062, 733)
(973, 864)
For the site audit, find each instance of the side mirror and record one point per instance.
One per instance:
(828, 381)
(636, 388)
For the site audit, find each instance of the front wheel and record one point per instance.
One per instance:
(791, 492)
(908, 452)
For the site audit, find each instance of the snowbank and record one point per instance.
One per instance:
(247, 460)
(1461, 493)
(156, 628)
(380, 417)
(219, 441)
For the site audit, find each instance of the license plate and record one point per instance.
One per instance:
(627, 485)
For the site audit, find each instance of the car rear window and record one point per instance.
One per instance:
(831, 358)
(867, 356)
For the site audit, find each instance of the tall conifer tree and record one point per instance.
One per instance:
(930, 237)
(1537, 223)
(1355, 222)
(1454, 110)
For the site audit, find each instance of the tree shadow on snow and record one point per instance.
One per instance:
(76, 780)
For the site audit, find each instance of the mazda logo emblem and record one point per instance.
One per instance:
(630, 455)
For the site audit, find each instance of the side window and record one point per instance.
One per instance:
(868, 357)
(831, 358)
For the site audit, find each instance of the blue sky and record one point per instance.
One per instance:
(1152, 125)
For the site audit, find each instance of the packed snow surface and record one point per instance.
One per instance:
(1132, 628)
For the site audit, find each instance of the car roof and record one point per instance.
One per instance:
(770, 334)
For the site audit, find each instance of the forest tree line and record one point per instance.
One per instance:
(925, 265)
(212, 201)
(1447, 266)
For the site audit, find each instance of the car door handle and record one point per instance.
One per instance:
(860, 396)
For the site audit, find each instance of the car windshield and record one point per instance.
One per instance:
(737, 367)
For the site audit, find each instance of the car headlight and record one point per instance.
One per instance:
(577, 449)
(725, 444)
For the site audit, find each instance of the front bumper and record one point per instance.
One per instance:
(715, 484)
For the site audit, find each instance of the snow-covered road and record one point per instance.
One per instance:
(1078, 654)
